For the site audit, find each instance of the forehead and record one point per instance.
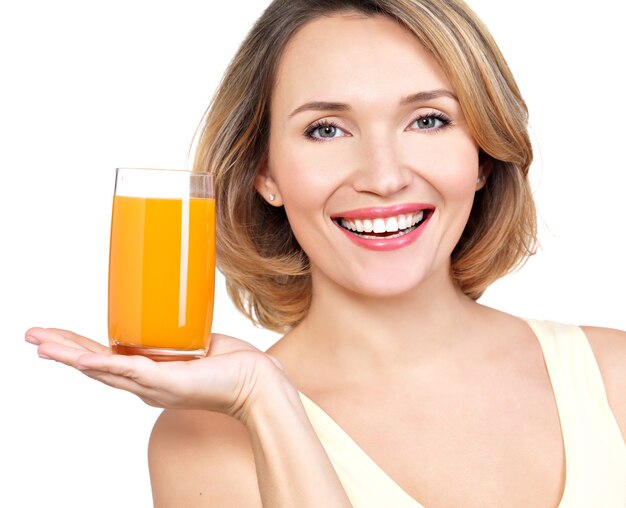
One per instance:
(350, 56)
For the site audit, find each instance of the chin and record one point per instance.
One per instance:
(389, 285)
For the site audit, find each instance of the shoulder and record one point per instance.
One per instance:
(609, 348)
(201, 458)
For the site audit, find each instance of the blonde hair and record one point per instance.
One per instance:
(267, 273)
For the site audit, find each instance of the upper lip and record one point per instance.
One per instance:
(376, 212)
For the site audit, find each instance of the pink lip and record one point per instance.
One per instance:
(381, 212)
(387, 244)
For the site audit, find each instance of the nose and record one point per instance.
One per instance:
(380, 169)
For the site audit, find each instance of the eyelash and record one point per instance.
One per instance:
(318, 125)
(446, 121)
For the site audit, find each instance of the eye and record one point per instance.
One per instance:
(431, 121)
(324, 130)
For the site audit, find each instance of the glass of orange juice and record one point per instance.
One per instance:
(162, 263)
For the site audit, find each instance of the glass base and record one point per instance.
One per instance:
(158, 354)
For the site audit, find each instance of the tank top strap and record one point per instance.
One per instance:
(595, 452)
(365, 483)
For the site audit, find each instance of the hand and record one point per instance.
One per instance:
(228, 380)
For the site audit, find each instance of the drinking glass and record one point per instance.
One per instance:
(162, 263)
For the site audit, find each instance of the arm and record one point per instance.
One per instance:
(201, 458)
(271, 457)
(292, 466)
(236, 380)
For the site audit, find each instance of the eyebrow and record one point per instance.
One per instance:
(427, 96)
(405, 101)
(320, 106)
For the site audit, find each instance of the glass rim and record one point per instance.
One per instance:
(169, 170)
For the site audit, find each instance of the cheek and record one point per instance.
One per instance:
(454, 172)
(452, 175)
(304, 178)
(303, 189)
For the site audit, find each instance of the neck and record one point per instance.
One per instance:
(375, 332)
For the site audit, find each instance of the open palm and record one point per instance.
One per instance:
(224, 381)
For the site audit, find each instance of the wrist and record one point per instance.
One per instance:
(273, 397)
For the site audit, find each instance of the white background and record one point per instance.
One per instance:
(88, 86)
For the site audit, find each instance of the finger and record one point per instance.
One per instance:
(136, 368)
(60, 353)
(44, 335)
(86, 342)
(136, 374)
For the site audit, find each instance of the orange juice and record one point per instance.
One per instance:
(161, 274)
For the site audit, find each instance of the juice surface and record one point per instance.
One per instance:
(162, 272)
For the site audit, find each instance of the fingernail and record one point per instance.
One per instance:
(44, 356)
(32, 340)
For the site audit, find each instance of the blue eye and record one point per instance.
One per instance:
(323, 130)
(432, 121)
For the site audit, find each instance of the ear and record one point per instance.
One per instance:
(266, 186)
(485, 165)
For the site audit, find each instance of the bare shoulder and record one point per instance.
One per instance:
(609, 347)
(201, 459)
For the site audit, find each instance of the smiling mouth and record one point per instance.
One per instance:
(387, 227)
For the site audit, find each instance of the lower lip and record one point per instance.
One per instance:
(385, 244)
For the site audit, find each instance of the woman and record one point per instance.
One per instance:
(370, 160)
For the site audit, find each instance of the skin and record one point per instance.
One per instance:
(432, 385)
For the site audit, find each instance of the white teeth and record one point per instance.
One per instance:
(391, 225)
(380, 225)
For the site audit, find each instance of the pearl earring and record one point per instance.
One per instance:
(480, 178)
(271, 197)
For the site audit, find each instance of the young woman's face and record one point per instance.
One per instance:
(369, 154)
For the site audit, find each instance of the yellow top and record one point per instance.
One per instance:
(595, 451)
